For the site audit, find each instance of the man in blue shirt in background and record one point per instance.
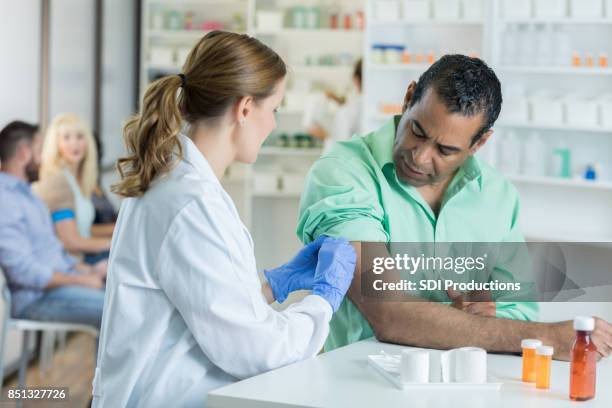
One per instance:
(45, 282)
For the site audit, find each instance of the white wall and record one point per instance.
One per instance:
(71, 77)
(119, 74)
(20, 55)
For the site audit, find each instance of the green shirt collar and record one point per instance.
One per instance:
(381, 146)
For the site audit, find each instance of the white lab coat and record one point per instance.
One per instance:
(184, 313)
(347, 123)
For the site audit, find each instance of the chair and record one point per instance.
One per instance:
(30, 327)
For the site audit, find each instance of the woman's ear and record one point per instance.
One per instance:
(244, 108)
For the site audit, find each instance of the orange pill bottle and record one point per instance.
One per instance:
(583, 361)
(543, 365)
(529, 347)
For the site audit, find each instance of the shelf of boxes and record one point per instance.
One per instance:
(428, 22)
(546, 234)
(487, 36)
(399, 67)
(559, 21)
(555, 127)
(562, 182)
(548, 70)
(308, 32)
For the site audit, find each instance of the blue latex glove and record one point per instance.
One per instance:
(296, 274)
(334, 271)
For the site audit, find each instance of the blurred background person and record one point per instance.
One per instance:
(45, 282)
(346, 121)
(68, 178)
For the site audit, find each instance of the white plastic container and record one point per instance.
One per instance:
(181, 55)
(515, 110)
(472, 10)
(416, 10)
(269, 21)
(605, 108)
(509, 153)
(586, 8)
(550, 8)
(265, 183)
(581, 111)
(546, 109)
(293, 183)
(517, 9)
(489, 152)
(533, 153)
(387, 10)
(446, 9)
(161, 56)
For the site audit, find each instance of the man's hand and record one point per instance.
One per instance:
(474, 303)
(83, 268)
(100, 268)
(89, 281)
(602, 337)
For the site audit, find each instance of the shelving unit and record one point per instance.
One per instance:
(582, 207)
(588, 202)
(266, 213)
(558, 209)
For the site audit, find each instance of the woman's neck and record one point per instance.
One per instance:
(215, 143)
(73, 168)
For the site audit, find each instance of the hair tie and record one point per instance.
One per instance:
(183, 80)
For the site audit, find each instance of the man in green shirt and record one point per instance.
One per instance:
(416, 180)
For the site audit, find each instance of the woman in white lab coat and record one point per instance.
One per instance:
(185, 311)
(346, 121)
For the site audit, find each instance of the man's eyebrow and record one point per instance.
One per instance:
(451, 148)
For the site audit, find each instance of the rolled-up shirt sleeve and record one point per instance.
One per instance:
(55, 192)
(16, 258)
(340, 200)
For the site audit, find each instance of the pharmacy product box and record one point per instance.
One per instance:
(446, 9)
(415, 10)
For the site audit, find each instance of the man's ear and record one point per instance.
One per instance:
(24, 152)
(481, 142)
(409, 95)
(243, 109)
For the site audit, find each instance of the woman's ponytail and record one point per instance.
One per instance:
(151, 138)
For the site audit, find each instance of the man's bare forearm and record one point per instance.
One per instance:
(434, 325)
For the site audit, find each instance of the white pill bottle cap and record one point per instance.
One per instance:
(530, 344)
(545, 351)
(584, 323)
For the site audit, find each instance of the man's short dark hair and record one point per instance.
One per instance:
(465, 85)
(12, 135)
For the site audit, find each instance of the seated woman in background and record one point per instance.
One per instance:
(68, 177)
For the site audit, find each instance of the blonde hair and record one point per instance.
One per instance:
(51, 158)
(220, 69)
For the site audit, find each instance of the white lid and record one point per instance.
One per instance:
(530, 343)
(584, 323)
(545, 350)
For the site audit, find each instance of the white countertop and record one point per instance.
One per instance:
(343, 378)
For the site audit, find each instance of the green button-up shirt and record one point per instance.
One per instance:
(354, 192)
